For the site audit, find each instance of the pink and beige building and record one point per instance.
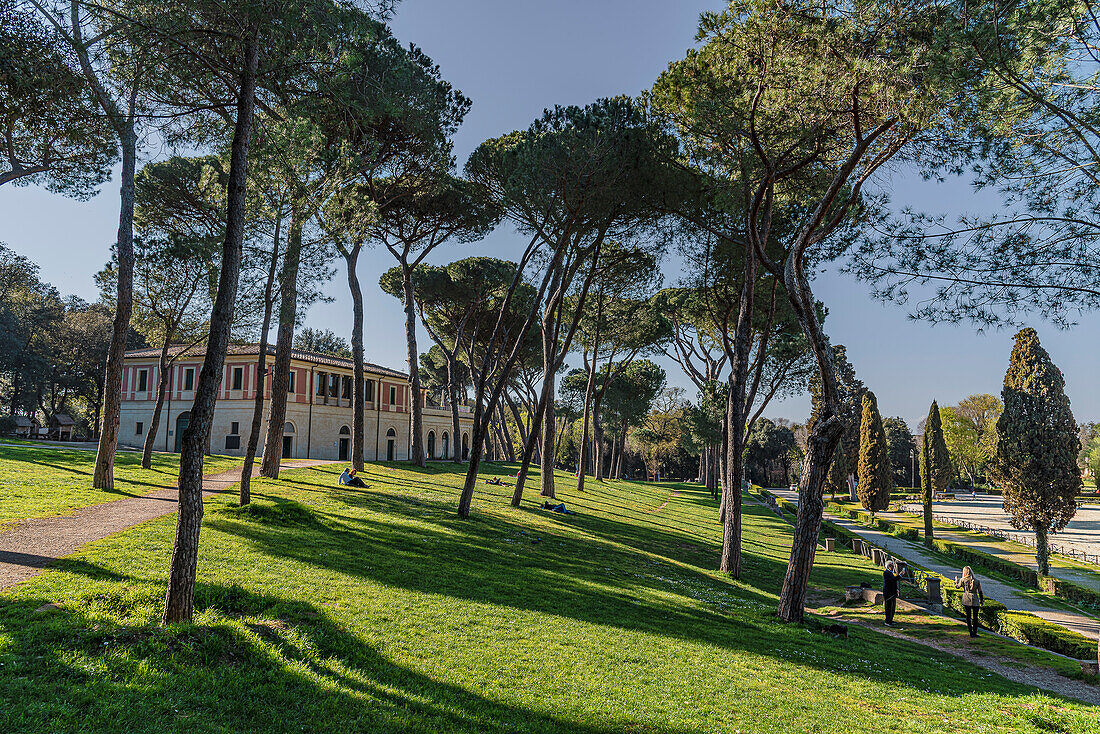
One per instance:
(318, 411)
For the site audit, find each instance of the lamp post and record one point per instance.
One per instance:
(912, 467)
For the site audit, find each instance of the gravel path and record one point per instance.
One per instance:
(28, 546)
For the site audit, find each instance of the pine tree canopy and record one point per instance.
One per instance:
(1035, 459)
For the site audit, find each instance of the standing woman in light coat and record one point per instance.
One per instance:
(972, 598)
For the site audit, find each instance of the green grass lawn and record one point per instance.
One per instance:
(327, 609)
(37, 482)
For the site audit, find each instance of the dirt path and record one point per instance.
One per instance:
(1029, 675)
(28, 546)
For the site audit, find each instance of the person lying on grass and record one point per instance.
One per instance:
(348, 478)
(495, 481)
(557, 508)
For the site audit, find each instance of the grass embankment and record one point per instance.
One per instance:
(38, 482)
(321, 608)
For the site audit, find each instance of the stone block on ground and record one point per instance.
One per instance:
(872, 595)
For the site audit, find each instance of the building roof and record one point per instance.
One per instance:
(244, 350)
(23, 421)
(60, 419)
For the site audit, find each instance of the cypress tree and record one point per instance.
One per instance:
(935, 464)
(1035, 459)
(837, 479)
(875, 476)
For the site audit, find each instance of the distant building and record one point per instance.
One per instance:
(26, 427)
(61, 427)
(318, 411)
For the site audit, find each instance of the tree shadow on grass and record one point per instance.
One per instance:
(257, 664)
(493, 561)
(72, 470)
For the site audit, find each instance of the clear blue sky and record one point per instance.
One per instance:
(513, 58)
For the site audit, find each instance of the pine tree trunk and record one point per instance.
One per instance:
(284, 342)
(261, 373)
(597, 437)
(528, 451)
(1042, 550)
(517, 417)
(358, 399)
(180, 596)
(736, 410)
(477, 438)
(589, 390)
(467, 495)
(417, 444)
(508, 452)
(103, 476)
(154, 421)
(452, 391)
(721, 457)
(546, 467)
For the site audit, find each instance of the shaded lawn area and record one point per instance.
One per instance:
(919, 624)
(38, 482)
(323, 608)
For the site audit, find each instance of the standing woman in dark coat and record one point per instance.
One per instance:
(890, 579)
(972, 598)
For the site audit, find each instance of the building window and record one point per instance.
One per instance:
(143, 380)
(334, 385)
(347, 388)
(232, 443)
(235, 428)
(139, 427)
(290, 383)
(368, 391)
(238, 378)
(393, 396)
(189, 378)
(322, 377)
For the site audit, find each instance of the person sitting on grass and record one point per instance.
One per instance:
(348, 478)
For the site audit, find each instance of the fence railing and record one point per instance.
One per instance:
(1063, 549)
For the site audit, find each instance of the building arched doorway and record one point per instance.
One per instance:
(391, 444)
(344, 443)
(182, 421)
(465, 446)
(446, 446)
(288, 440)
(431, 444)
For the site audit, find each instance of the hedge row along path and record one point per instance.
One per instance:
(29, 546)
(993, 589)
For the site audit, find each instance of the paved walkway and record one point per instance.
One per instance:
(1007, 595)
(28, 546)
(1015, 552)
(987, 509)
